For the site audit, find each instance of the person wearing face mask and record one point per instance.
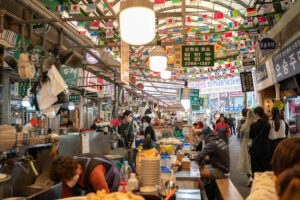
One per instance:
(126, 129)
(148, 129)
(87, 172)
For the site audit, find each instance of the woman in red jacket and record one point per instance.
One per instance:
(222, 129)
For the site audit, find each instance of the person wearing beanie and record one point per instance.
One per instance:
(218, 152)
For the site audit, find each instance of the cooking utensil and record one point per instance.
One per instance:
(171, 194)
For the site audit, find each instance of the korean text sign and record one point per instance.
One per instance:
(247, 81)
(287, 61)
(198, 55)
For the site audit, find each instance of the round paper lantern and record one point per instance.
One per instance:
(133, 80)
(137, 21)
(140, 86)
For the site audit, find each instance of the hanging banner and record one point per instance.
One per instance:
(198, 56)
(196, 101)
(287, 61)
(177, 56)
(125, 62)
(217, 86)
(247, 81)
(70, 76)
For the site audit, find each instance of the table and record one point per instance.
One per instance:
(188, 179)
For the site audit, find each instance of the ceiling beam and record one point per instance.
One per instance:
(162, 82)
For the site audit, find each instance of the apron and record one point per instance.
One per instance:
(112, 176)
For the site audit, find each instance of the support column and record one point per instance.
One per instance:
(245, 100)
(261, 98)
(277, 91)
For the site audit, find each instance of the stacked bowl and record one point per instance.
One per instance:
(150, 171)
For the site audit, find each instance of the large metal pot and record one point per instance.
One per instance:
(15, 198)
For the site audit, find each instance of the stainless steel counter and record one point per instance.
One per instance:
(188, 179)
(188, 194)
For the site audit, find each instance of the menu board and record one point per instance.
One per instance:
(23, 87)
(196, 102)
(247, 81)
(74, 98)
(178, 56)
(198, 56)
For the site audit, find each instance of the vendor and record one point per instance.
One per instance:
(88, 172)
(198, 141)
(95, 122)
(126, 129)
(148, 129)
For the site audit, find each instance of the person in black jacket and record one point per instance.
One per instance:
(218, 152)
(260, 150)
(148, 129)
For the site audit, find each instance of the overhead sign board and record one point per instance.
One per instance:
(287, 61)
(198, 56)
(267, 44)
(247, 81)
(248, 62)
(261, 73)
(177, 56)
(91, 59)
(217, 86)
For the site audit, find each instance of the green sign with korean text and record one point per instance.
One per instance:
(70, 76)
(198, 56)
(196, 101)
(74, 98)
(23, 87)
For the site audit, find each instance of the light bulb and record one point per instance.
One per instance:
(165, 74)
(137, 22)
(186, 104)
(26, 102)
(71, 106)
(158, 63)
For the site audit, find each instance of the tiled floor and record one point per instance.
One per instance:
(238, 178)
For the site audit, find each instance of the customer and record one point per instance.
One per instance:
(286, 156)
(222, 129)
(260, 150)
(148, 129)
(288, 184)
(198, 141)
(244, 164)
(287, 128)
(218, 152)
(232, 124)
(277, 133)
(244, 115)
(126, 130)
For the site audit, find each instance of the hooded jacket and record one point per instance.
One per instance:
(216, 149)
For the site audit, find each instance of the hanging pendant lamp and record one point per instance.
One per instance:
(165, 74)
(158, 59)
(137, 22)
(185, 97)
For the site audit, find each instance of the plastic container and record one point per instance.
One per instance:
(186, 147)
(126, 171)
(165, 171)
(165, 161)
(133, 183)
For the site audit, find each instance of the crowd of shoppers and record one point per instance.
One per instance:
(269, 159)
